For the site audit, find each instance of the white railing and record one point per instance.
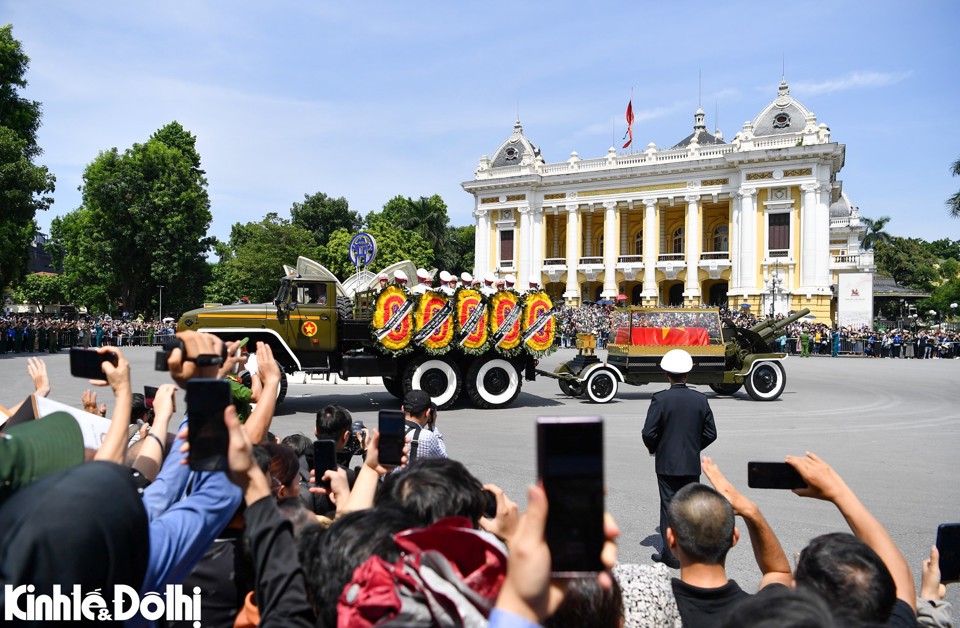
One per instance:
(778, 253)
(555, 261)
(670, 257)
(715, 255)
(778, 142)
(626, 259)
(591, 260)
(846, 259)
(840, 222)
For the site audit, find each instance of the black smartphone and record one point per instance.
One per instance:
(948, 544)
(570, 466)
(324, 459)
(88, 363)
(773, 475)
(392, 433)
(206, 400)
(149, 394)
(489, 504)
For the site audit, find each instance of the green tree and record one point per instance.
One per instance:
(252, 261)
(40, 289)
(460, 250)
(424, 216)
(143, 224)
(875, 232)
(393, 245)
(322, 215)
(24, 186)
(953, 203)
(908, 261)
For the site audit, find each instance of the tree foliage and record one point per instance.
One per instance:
(40, 289)
(953, 203)
(425, 216)
(460, 250)
(142, 224)
(322, 215)
(24, 186)
(875, 232)
(252, 261)
(908, 261)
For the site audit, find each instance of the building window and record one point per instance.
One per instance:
(600, 246)
(506, 247)
(678, 240)
(721, 240)
(778, 234)
(638, 243)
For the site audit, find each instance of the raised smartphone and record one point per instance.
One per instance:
(778, 475)
(206, 401)
(392, 432)
(570, 466)
(948, 544)
(88, 363)
(324, 459)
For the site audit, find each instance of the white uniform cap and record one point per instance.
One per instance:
(400, 276)
(488, 279)
(510, 279)
(444, 276)
(382, 277)
(500, 281)
(534, 280)
(422, 274)
(466, 277)
(677, 362)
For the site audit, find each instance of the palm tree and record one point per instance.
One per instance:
(875, 232)
(953, 203)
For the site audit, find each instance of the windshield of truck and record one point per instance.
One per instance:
(667, 327)
(282, 292)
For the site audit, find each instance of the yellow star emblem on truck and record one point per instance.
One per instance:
(309, 329)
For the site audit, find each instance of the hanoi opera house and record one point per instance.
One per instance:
(759, 220)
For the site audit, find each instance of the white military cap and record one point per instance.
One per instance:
(466, 277)
(677, 362)
(400, 276)
(422, 274)
(510, 279)
(445, 276)
(488, 279)
(534, 280)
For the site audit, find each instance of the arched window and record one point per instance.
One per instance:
(721, 240)
(678, 240)
(638, 243)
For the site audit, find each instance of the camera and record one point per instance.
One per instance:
(160, 360)
(356, 444)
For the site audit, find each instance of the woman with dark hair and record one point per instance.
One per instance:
(284, 470)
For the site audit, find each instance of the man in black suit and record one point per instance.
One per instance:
(679, 426)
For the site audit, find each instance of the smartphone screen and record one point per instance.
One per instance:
(149, 394)
(206, 400)
(392, 432)
(88, 363)
(324, 459)
(570, 465)
(948, 544)
(773, 475)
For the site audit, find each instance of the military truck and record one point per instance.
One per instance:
(314, 326)
(725, 357)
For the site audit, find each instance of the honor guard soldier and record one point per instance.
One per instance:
(400, 278)
(423, 281)
(383, 279)
(488, 288)
(445, 278)
(466, 279)
(509, 282)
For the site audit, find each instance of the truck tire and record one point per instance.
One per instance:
(394, 386)
(766, 381)
(571, 387)
(492, 383)
(725, 389)
(282, 392)
(344, 307)
(439, 377)
(601, 385)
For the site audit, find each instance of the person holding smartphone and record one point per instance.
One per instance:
(679, 426)
(421, 420)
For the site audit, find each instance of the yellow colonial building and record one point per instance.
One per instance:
(759, 220)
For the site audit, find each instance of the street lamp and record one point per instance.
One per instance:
(776, 280)
(161, 303)
(953, 310)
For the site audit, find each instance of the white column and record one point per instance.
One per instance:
(555, 249)
(651, 242)
(536, 257)
(610, 290)
(573, 252)
(735, 240)
(822, 278)
(748, 246)
(625, 248)
(808, 236)
(694, 231)
(526, 248)
(481, 262)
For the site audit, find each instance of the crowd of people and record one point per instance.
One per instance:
(40, 333)
(261, 540)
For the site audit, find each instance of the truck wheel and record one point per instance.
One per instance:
(394, 386)
(440, 378)
(725, 389)
(571, 387)
(344, 307)
(282, 392)
(492, 383)
(601, 385)
(766, 381)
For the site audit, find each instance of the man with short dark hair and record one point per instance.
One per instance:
(421, 417)
(679, 426)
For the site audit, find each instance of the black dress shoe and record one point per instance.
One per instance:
(669, 561)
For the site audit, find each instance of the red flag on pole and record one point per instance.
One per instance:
(629, 124)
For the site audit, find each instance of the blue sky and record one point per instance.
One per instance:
(368, 100)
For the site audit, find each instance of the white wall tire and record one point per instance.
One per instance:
(440, 378)
(601, 385)
(766, 381)
(492, 383)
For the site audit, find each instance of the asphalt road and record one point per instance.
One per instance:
(891, 428)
